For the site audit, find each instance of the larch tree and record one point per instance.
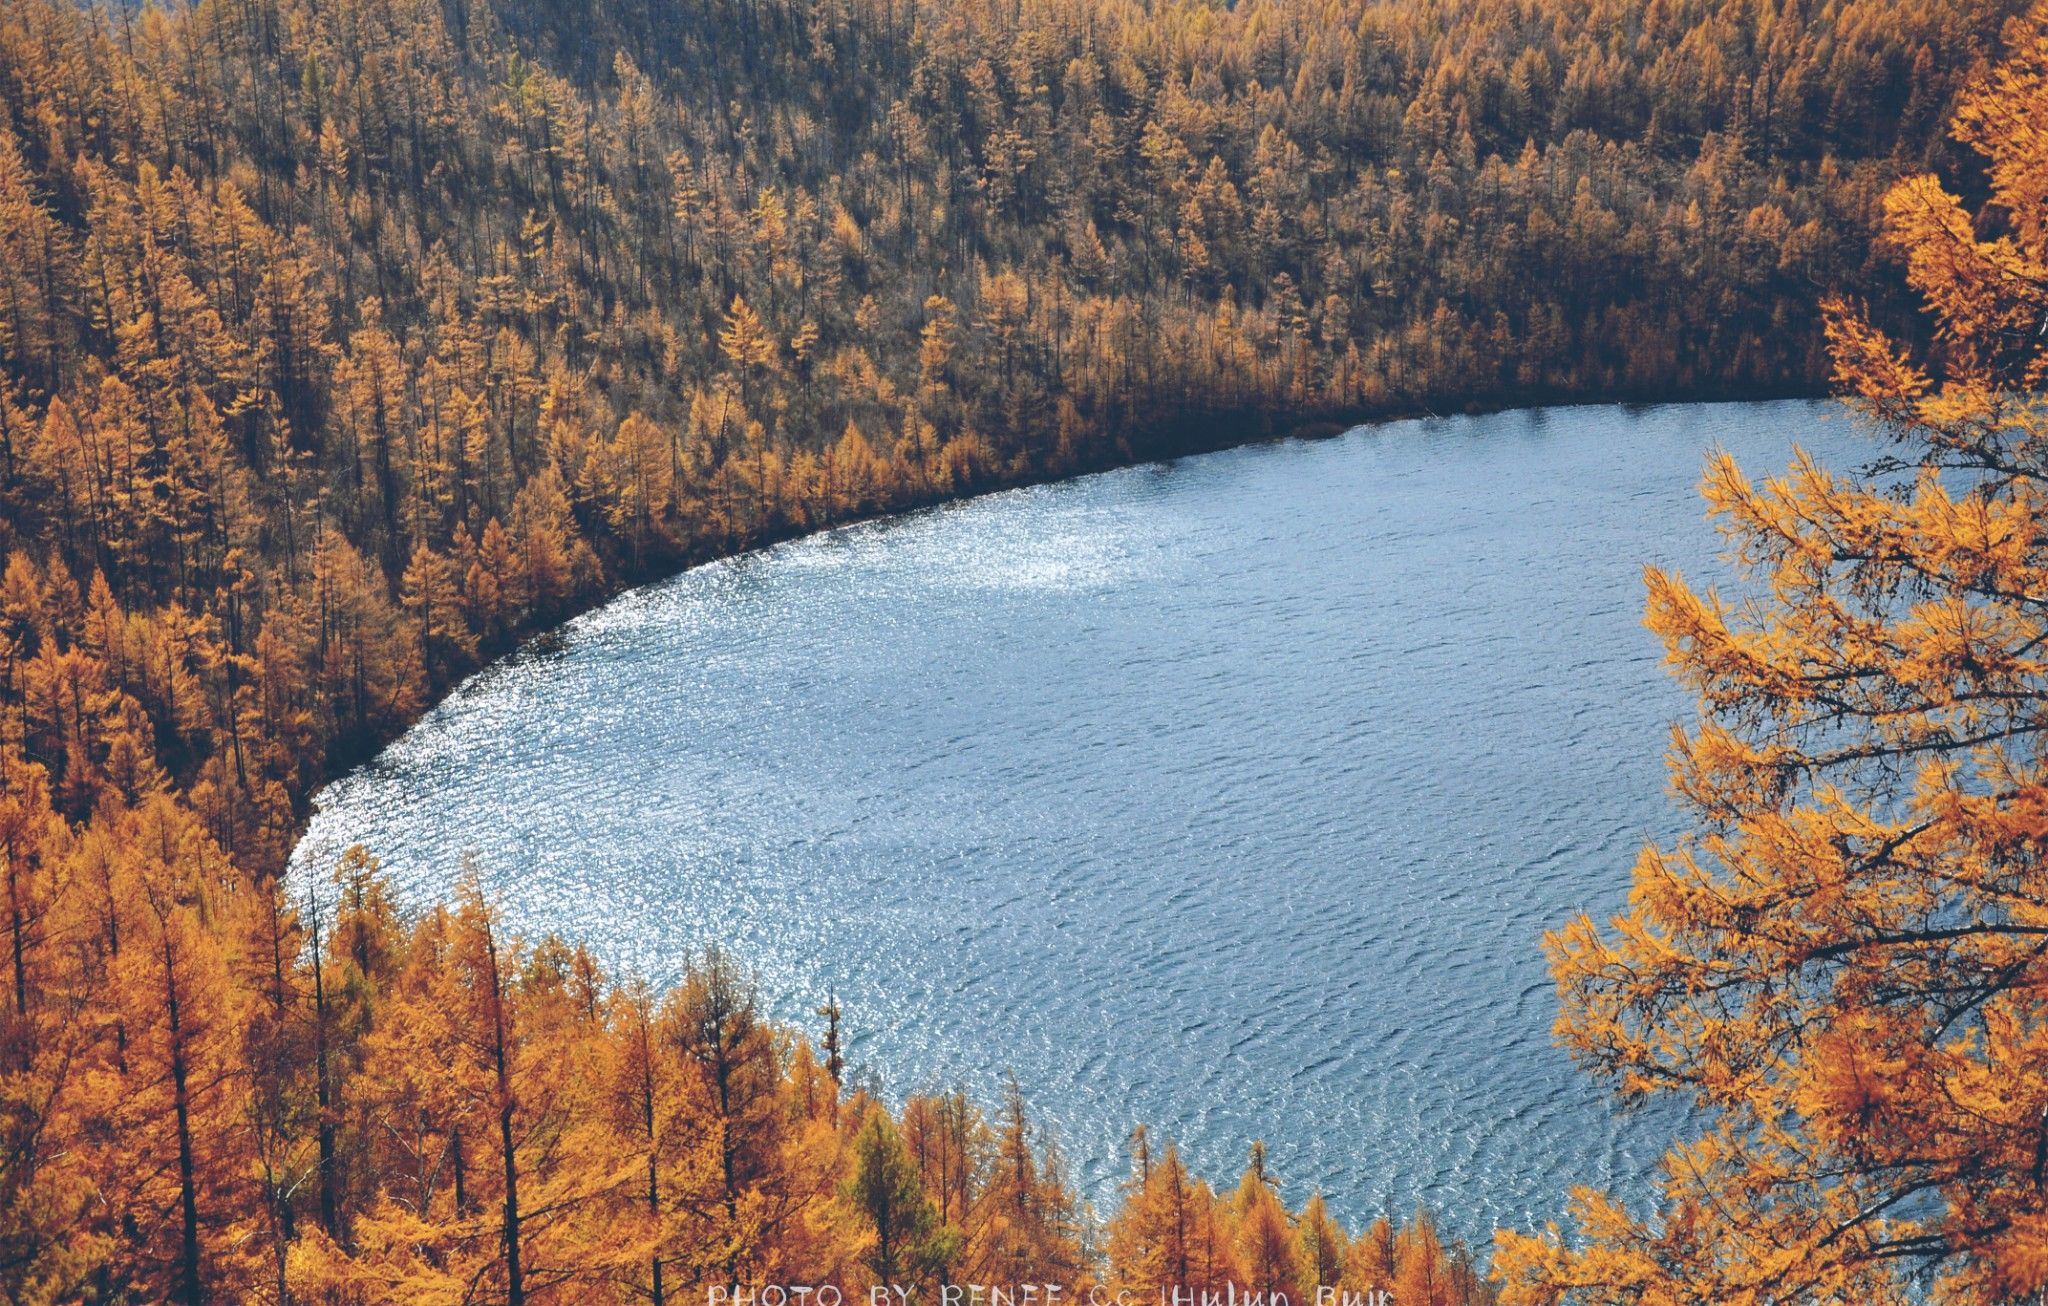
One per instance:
(746, 343)
(732, 1067)
(900, 1221)
(641, 1077)
(1149, 1238)
(1844, 965)
(1369, 1261)
(1266, 1247)
(1321, 1245)
(174, 1092)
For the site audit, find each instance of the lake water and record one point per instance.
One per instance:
(1231, 795)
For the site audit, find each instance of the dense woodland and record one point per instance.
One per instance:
(343, 341)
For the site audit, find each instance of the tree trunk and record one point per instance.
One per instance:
(188, 1290)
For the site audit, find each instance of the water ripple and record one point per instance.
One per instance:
(1231, 795)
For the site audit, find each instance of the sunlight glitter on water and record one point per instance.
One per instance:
(1231, 795)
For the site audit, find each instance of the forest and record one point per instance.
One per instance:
(343, 343)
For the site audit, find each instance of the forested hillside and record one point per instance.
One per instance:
(346, 340)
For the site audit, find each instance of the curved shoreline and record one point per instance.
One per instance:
(980, 771)
(1187, 439)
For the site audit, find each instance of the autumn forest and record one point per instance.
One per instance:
(345, 343)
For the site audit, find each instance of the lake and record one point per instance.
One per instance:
(1231, 794)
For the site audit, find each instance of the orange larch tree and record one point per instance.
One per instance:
(1844, 965)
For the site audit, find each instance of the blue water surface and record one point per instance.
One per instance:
(1231, 795)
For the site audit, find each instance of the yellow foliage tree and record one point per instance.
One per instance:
(1845, 965)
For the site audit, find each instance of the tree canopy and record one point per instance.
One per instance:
(345, 342)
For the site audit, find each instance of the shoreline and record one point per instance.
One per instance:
(1278, 428)
(424, 805)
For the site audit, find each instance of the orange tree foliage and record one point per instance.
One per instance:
(344, 341)
(210, 1096)
(1175, 1234)
(1846, 964)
